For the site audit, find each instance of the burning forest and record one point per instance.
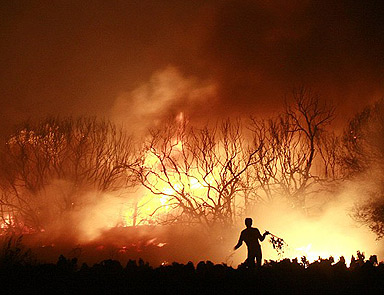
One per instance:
(145, 133)
(86, 187)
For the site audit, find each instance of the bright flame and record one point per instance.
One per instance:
(7, 222)
(151, 206)
(330, 234)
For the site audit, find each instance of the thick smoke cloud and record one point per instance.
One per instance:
(78, 57)
(259, 51)
(167, 95)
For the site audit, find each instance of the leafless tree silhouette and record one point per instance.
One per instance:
(200, 171)
(293, 143)
(363, 154)
(87, 153)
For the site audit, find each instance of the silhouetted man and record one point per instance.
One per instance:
(251, 237)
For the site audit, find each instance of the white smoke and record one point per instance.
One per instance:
(167, 93)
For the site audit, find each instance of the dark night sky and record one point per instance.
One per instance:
(86, 57)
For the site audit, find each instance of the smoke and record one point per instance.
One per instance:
(259, 51)
(75, 58)
(167, 94)
(96, 229)
(69, 213)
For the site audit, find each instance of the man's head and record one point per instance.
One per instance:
(248, 222)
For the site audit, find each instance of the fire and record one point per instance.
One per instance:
(8, 222)
(171, 175)
(334, 244)
(152, 207)
(332, 234)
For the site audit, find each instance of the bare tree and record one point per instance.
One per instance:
(87, 153)
(199, 171)
(292, 144)
(363, 160)
(370, 213)
(330, 150)
(214, 175)
(363, 141)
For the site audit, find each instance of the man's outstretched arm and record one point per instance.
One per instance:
(262, 237)
(239, 243)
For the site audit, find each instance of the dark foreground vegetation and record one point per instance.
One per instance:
(138, 277)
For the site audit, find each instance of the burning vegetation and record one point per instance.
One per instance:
(86, 182)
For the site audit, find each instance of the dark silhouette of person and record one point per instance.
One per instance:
(251, 237)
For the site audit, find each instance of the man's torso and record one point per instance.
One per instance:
(251, 237)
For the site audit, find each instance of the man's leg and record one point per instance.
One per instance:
(259, 257)
(251, 258)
